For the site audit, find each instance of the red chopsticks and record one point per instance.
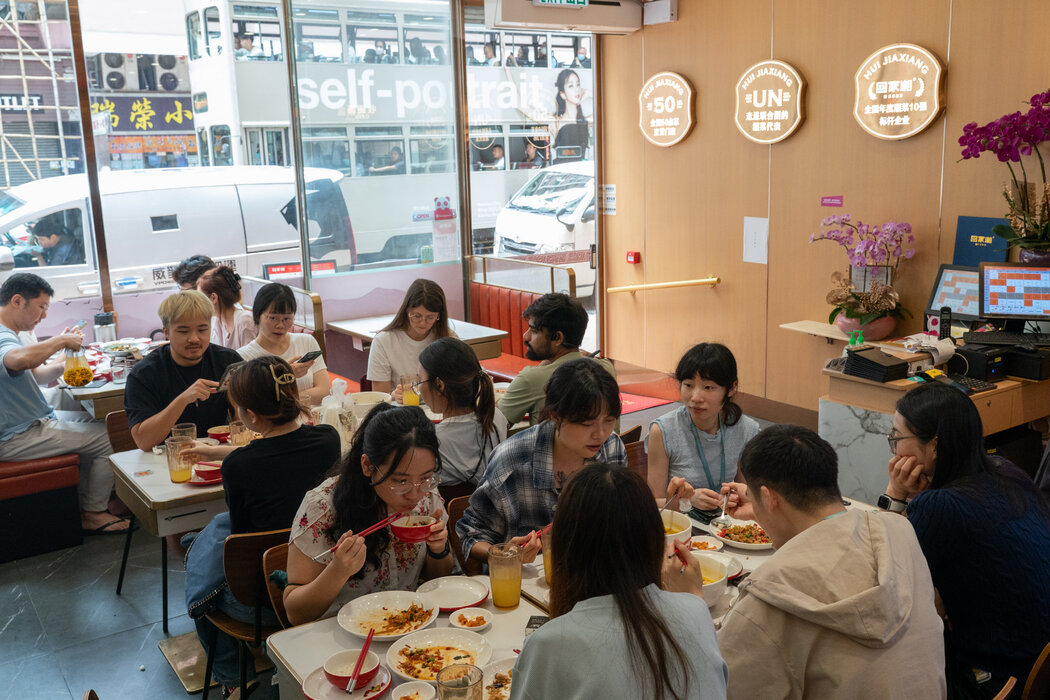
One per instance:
(360, 660)
(367, 531)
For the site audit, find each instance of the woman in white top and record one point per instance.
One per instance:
(274, 312)
(232, 326)
(453, 383)
(422, 319)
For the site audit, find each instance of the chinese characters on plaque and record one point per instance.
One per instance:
(900, 91)
(666, 109)
(770, 101)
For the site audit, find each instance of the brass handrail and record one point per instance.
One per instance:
(703, 282)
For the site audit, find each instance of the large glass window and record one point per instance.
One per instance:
(372, 37)
(213, 31)
(194, 37)
(317, 35)
(256, 33)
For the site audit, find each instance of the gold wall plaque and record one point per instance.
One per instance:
(770, 101)
(666, 109)
(900, 91)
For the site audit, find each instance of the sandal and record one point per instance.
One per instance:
(104, 529)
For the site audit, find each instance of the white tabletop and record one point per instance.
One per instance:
(367, 328)
(148, 474)
(298, 651)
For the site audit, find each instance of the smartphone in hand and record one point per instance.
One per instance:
(312, 355)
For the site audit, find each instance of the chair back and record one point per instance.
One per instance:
(276, 559)
(1038, 685)
(242, 562)
(631, 434)
(637, 459)
(456, 507)
(452, 491)
(119, 432)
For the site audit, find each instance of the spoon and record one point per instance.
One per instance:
(721, 521)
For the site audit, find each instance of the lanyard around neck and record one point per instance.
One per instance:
(703, 457)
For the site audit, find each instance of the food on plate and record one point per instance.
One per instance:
(672, 530)
(414, 522)
(499, 688)
(425, 662)
(119, 347)
(703, 545)
(400, 621)
(413, 696)
(747, 534)
(476, 621)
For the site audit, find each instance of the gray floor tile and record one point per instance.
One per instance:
(34, 677)
(20, 629)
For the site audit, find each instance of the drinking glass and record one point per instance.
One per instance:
(547, 565)
(120, 370)
(184, 430)
(460, 682)
(239, 433)
(179, 467)
(409, 396)
(505, 574)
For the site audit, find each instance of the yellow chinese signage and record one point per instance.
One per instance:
(900, 91)
(666, 109)
(770, 101)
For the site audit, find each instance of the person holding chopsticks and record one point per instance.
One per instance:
(390, 468)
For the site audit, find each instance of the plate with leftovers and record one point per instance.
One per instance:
(744, 534)
(704, 543)
(393, 614)
(420, 655)
(416, 690)
(734, 567)
(317, 687)
(124, 348)
(497, 677)
(474, 619)
(455, 592)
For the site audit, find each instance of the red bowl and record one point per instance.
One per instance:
(412, 528)
(340, 667)
(207, 472)
(220, 433)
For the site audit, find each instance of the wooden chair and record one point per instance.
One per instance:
(242, 562)
(456, 507)
(276, 559)
(631, 434)
(119, 431)
(451, 492)
(1037, 687)
(637, 459)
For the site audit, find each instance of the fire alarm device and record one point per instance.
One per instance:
(634, 257)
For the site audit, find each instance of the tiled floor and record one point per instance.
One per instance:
(63, 629)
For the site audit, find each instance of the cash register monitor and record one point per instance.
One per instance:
(958, 288)
(1014, 292)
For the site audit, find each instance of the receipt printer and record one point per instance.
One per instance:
(1028, 364)
(987, 362)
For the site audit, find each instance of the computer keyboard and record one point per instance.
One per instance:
(1006, 338)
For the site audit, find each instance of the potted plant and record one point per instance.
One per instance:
(875, 308)
(1010, 137)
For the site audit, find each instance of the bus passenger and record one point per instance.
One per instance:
(233, 326)
(490, 54)
(533, 156)
(422, 319)
(396, 167)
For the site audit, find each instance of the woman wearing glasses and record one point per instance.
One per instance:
(274, 312)
(391, 468)
(978, 519)
(422, 319)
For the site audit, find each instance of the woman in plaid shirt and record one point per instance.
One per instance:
(525, 473)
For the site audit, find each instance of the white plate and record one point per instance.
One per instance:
(489, 673)
(121, 348)
(439, 636)
(425, 690)
(714, 542)
(455, 592)
(453, 618)
(734, 567)
(317, 687)
(742, 545)
(357, 616)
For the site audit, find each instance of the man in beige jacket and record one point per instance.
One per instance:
(845, 607)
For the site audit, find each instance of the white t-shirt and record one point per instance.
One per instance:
(299, 345)
(393, 354)
(463, 453)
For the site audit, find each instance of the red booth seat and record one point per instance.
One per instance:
(39, 509)
(499, 307)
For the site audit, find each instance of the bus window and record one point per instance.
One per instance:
(193, 34)
(483, 48)
(212, 32)
(570, 50)
(374, 37)
(522, 49)
(431, 150)
(317, 36)
(257, 33)
(487, 147)
(221, 147)
(378, 152)
(202, 147)
(426, 39)
(327, 147)
(529, 146)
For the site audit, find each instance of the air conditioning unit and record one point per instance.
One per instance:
(599, 16)
(166, 73)
(117, 72)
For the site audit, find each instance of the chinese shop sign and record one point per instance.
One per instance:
(769, 101)
(900, 91)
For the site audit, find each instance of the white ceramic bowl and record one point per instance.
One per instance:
(470, 613)
(704, 543)
(678, 521)
(712, 568)
(405, 690)
(365, 400)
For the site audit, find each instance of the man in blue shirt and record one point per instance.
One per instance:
(29, 427)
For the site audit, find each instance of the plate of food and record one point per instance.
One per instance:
(474, 619)
(392, 614)
(123, 348)
(497, 677)
(420, 655)
(317, 687)
(744, 534)
(455, 592)
(734, 567)
(704, 543)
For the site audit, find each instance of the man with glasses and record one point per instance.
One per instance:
(178, 382)
(557, 323)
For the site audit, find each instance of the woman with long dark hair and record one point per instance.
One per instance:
(570, 124)
(613, 632)
(422, 319)
(454, 384)
(979, 520)
(526, 472)
(232, 327)
(390, 468)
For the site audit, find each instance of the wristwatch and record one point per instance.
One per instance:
(443, 553)
(893, 505)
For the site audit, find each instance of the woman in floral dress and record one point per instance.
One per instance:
(390, 468)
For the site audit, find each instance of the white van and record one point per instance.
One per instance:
(552, 213)
(155, 218)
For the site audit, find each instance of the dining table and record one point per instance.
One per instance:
(298, 651)
(485, 341)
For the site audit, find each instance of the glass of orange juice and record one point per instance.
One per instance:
(547, 564)
(409, 395)
(505, 574)
(179, 467)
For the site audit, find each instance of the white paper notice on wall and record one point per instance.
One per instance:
(756, 239)
(608, 199)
